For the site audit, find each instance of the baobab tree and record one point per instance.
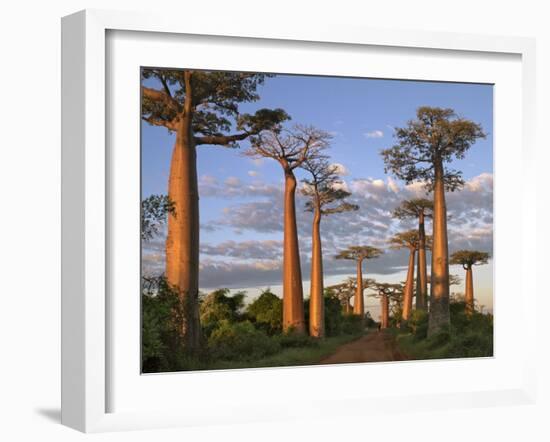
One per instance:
(200, 107)
(325, 197)
(344, 292)
(291, 148)
(359, 254)
(423, 148)
(467, 259)
(418, 208)
(387, 292)
(407, 240)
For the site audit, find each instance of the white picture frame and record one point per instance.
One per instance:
(86, 315)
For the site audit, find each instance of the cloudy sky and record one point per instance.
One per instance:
(241, 198)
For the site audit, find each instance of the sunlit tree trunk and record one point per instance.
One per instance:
(182, 243)
(421, 271)
(293, 297)
(469, 292)
(408, 290)
(316, 303)
(359, 304)
(385, 317)
(439, 288)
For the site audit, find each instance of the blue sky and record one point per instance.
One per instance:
(239, 196)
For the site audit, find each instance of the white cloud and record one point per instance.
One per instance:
(252, 173)
(340, 169)
(232, 181)
(392, 185)
(374, 134)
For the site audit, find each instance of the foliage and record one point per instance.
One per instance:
(436, 136)
(212, 97)
(352, 324)
(240, 341)
(159, 335)
(358, 253)
(290, 147)
(468, 336)
(154, 210)
(218, 306)
(333, 314)
(266, 312)
(325, 188)
(469, 258)
(413, 208)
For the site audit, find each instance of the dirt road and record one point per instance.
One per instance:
(374, 347)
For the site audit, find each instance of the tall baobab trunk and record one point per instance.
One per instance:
(347, 306)
(359, 303)
(385, 317)
(408, 290)
(182, 242)
(293, 297)
(421, 272)
(469, 292)
(439, 287)
(316, 302)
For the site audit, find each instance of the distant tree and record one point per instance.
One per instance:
(423, 146)
(386, 292)
(344, 292)
(201, 107)
(467, 259)
(408, 240)
(359, 254)
(291, 148)
(325, 197)
(418, 208)
(220, 305)
(266, 311)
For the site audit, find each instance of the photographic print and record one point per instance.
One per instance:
(291, 220)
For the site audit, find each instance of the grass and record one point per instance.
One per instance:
(292, 356)
(468, 337)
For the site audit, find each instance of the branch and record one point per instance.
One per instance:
(168, 124)
(159, 96)
(223, 140)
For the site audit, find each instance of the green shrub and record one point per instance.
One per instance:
(159, 338)
(333, 315)
(266, 312)
(295, 340)
(218, 306)
(468, 336)
(352, 324)
(240, 341)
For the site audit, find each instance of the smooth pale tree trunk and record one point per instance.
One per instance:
(316, 302)
(385, 317)
(182, 242)
(439, 318)
(347, 308)
(359, 304)
(469, 292)
(421, 271)
(293, 296)
(408, 290)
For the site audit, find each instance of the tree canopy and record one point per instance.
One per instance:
(469, 258)
(436, 135)
(413, 208)
(325, 188)
(291, 147)
(212, 99)
(359, 253)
